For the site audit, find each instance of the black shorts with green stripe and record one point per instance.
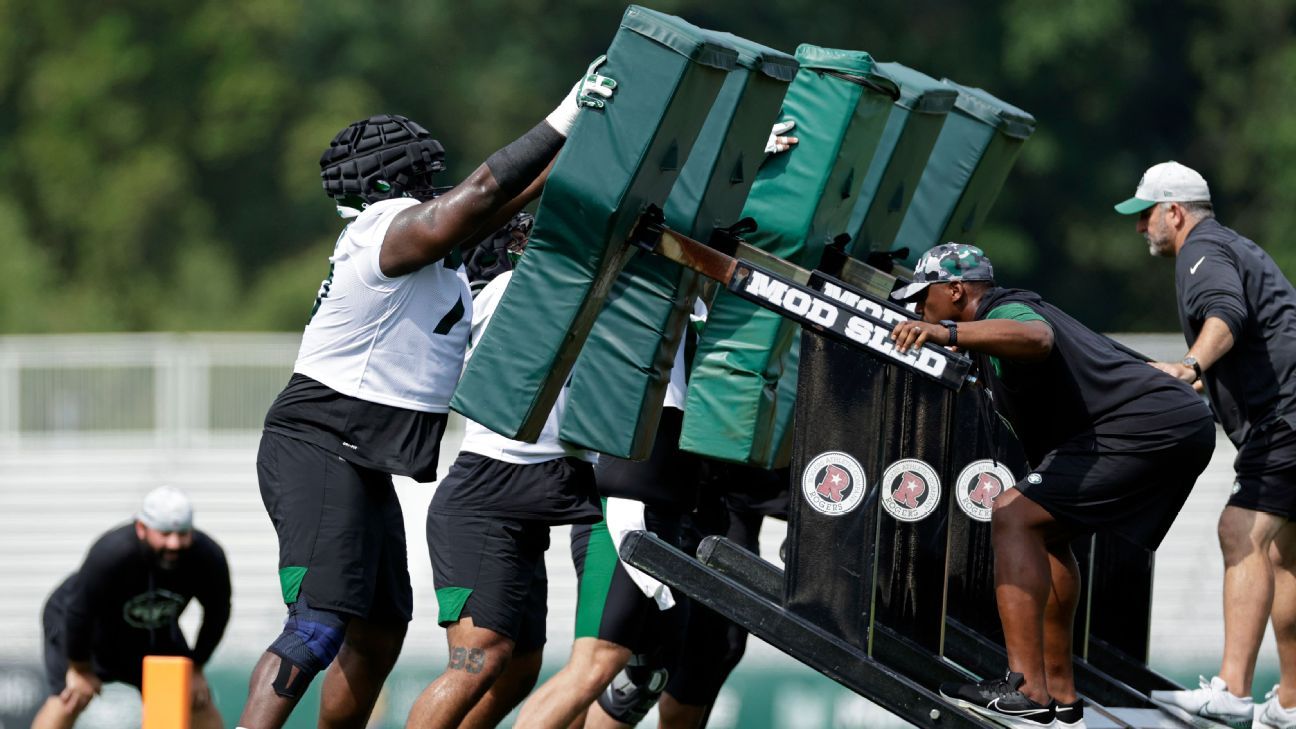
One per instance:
(610, 606)
(341, 533)
(491, 569)
(488, 557)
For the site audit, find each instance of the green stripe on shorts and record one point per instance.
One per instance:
(450, 603)
(290, 579)
(595, 580)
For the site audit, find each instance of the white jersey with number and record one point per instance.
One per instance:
(396, 341)
(484, 441)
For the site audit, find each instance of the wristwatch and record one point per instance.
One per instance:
(952, 326)
(1191, 361)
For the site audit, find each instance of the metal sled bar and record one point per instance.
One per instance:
(766, 580)
(795, 636)
(1128, 670)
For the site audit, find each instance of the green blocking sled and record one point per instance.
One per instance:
(911, 132)
(897, 165)
(616, 161)
(968, 156)
(983, 136)
(800, 201)
(973, 155)
(631, 348)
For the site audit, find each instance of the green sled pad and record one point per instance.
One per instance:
(617, 161)
(800, 201)
(911, 131)
(968, 166)
(632, 346)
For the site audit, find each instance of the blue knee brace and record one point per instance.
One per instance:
(309, 642)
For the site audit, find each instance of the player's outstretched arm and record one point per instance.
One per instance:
(1029, 341)
(507, 180)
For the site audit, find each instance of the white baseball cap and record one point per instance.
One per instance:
(166, 509)
(1166, 182)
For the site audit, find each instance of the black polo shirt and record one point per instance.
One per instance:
(1086, 386)
(1219, 273)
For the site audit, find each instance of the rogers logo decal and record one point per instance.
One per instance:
(979, 484)
(833, 483)
(910, 490)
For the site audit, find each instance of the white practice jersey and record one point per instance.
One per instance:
(395, 341)
(484, 441)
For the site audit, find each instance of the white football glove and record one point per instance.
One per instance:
(777, 142)
(590, 90)
(624, 516)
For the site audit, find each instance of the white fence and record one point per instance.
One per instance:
(90, 423)
(166, 389)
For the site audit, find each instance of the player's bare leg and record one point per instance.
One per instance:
(1059, 622)
(1283, 557)
(1023, 582)
(512, 686)
(565, 696)
(1245, 537)
(671, 714)
(264, 707)
(355, 678)
(477, 658)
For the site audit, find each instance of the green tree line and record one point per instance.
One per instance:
(159, 166)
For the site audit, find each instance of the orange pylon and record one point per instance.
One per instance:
(167, 682)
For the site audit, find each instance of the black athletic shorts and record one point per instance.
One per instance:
(124, 667)
(1266, 472)
(611, 607)
(341, 533)
(1108, 484)
(491, 569)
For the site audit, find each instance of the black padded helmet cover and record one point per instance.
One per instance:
(495, 255)
(388, 148)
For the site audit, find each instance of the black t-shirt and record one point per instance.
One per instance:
(385, 438)
(121, 604)
(1221, 274)
(1086, 386)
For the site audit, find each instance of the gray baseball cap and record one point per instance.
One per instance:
(1166, 182)
(166, 509)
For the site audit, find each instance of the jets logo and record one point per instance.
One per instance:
(979, 484)
(153, 610)
(833, 483)
(910, 490)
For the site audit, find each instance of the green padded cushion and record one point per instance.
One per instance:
(737, 395)
(631, 348)
(617, 160)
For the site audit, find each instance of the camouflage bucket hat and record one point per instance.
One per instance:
(947, 262)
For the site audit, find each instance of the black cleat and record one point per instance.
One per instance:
(1000, 701)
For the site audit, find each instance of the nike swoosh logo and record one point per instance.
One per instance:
(1027, 712)
(1195, 265)
(1205, 712)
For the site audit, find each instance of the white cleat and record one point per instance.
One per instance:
(1209, 707)
(1272, 715)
